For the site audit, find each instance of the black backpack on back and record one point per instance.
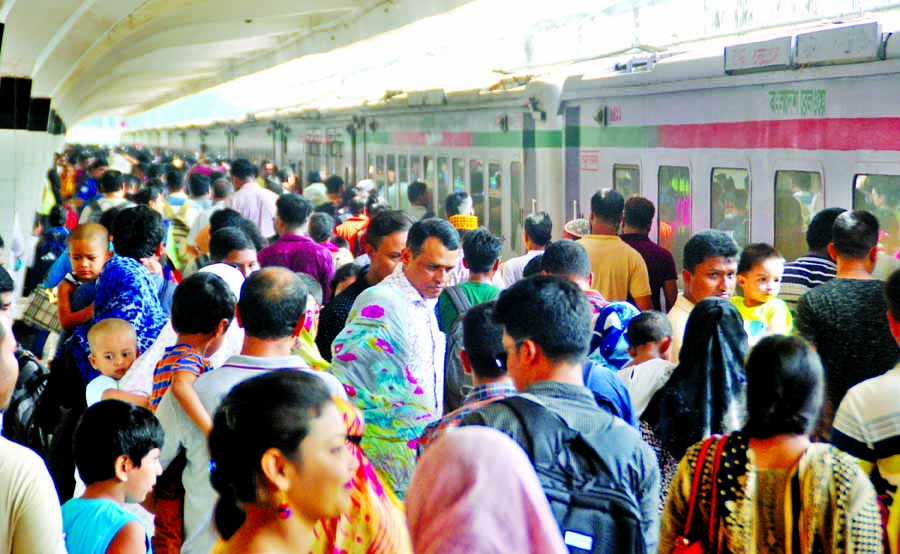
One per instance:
(19, 422)
(457, 385)
(596, 513)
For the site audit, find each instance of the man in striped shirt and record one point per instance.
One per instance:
(816, 267)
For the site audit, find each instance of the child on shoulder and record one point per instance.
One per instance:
(759, 275)
(649, 336)
(88, 251)
(113, 350)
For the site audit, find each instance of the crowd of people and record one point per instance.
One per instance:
(251, 364)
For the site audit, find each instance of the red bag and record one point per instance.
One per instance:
(683, 545)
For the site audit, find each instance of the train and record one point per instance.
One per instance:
(752, 136)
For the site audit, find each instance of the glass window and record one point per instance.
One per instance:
(459, 175)
(674, 210)
(371, 167)
(476, 188)
(515, 205)
(729, 207)
(495, 198)
(880, 194)
(443, 186)
(415, 168)
(402, 166)
(428, 177)
(391, 178)
(380, 180)
(627, 180)
(798, 196)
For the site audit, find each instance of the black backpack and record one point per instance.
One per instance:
(19, 422)
(596, 513)
(457, 385)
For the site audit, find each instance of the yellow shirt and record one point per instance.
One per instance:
(618, 268)
(769, 318)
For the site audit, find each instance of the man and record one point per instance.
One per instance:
(460, 211)
(221, 191)
(250, 200)
(386, 239)
(7, 286)
(87, 190)
(844, 318)
(546, 330)
(198, 188)
(334, 190)
(349, 230)
(390, 356)
(229, 245)
(538, 230)
(272, 311)
(710, 269)
(419, 196)
(815, 268)
(639, 214)
(619, 270)
(112, 195)
(294, 249)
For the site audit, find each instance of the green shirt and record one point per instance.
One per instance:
(476, 293)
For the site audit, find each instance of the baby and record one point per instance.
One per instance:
(759, 276)
(113, 350)
(88, 252)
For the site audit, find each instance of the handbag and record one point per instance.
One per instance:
(42, 311)
(683, 545)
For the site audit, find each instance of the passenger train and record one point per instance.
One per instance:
(752, 138)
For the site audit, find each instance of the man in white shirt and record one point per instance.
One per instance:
(251, 200)
(272, 312)
(538, 230)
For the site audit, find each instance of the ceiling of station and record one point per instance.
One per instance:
(121, 57)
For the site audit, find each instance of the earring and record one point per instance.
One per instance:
(284, 509)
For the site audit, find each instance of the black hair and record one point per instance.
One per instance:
(422, 230)
(273, 410)
(483, 340)
(320, 226)
(539, 228)
(6, 281)
(552, 312)
(708, 244)
(756, 253)
(533, 267)
(57, 216)
(272, 302)
(252, 231)
(639, 213)
(97, 164)
(481, 249)
(200, 302)
(226, 217)
(892, 294)
(819, 232)
(415, 190)
(386, 223)
(108, 217)
(334, 184)
(198, 184)
(111, 181)
(153, 172)
(566, 258)
(785, 387)
(242, 169)
(313, 177)
(221, 188)
(649, 326)
(174, 180)
(344, 272)
(356, 205)
(338, 241)
(147, 193)
(227, 240)
(137, 232)
(855, 234)
(293, 209)
(607, 205)
(109, 429)
(454, 202)
(375, 205)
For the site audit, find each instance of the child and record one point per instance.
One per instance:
(759, 276)
(117, 448)
(88, 252)
(649, 336)
(113, 350)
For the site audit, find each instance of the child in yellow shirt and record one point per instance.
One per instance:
(759, 276)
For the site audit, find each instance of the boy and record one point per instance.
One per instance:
(113, 350)
(759, 276)
(88, 252)
(649, 336)
(117, 454)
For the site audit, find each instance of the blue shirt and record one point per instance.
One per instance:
(90, 524)
(610, 392)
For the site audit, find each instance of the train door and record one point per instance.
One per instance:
(723, 201)
(876, 188)
(673, 201)
(799, 192)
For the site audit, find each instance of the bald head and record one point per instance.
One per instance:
(110, 327)
(272, 302)
(93, 233)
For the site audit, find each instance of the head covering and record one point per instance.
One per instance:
(608, 339)
(578, 227)
(316, 194)
(306, 343)
(474, 490)
(232, 276)
(366, 186)
(705, 393)
(464, 222)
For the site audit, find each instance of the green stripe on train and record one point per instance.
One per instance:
(487, 139)
(622, 137)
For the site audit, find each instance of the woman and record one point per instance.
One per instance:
(778, 491)
(474, 490)
(280, 463)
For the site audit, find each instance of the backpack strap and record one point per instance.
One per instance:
(459, 299)
(537, 420)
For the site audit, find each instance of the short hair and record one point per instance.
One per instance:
(313, 288)
(137, 232)
(533, 267)
(855, 234)
(710, 243)
(227, 240)
(386, 223)
(356, 205)
(320, 226)
(457, 203)
(293, 209)
(566, 258)
(148, 193)
(819, 232)
(415, 190)
(111, 181)
(252, 232)
(222, 188)
(110, 326)
(343, 272)
(200, 302)
(226, 217)
(242, 169)
(174, 180)
(539, 228)
(607, 205)
(109, 429)
(334, 184)
(549, 310)
(272, 302)
(785, 387)
(273, 410)
(892, 294)
(424, 229)
(481, 249)
(6, 281)
(90, 232)
(756, 253)
(97, 164)
(639, 213)
(646, 327)
(483, 340)
(198, 184)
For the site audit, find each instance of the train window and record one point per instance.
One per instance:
(403, 167)
(880, 194)
(729, 206)
(391, 177)
(798, 196)
(428, 177)
(627, 180)
(459, 175)
(674, 210)
(371, 167)
(415, 168)
(443, 185)
(515, 205)
(476, 188)
(380, 180)
(495, 198)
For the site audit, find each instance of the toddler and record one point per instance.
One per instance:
(759, 276)
(113, 349)
(88, 252)
(649, 337)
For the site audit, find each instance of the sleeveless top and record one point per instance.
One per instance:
(90, 524)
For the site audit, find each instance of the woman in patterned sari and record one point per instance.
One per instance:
(777, 492)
